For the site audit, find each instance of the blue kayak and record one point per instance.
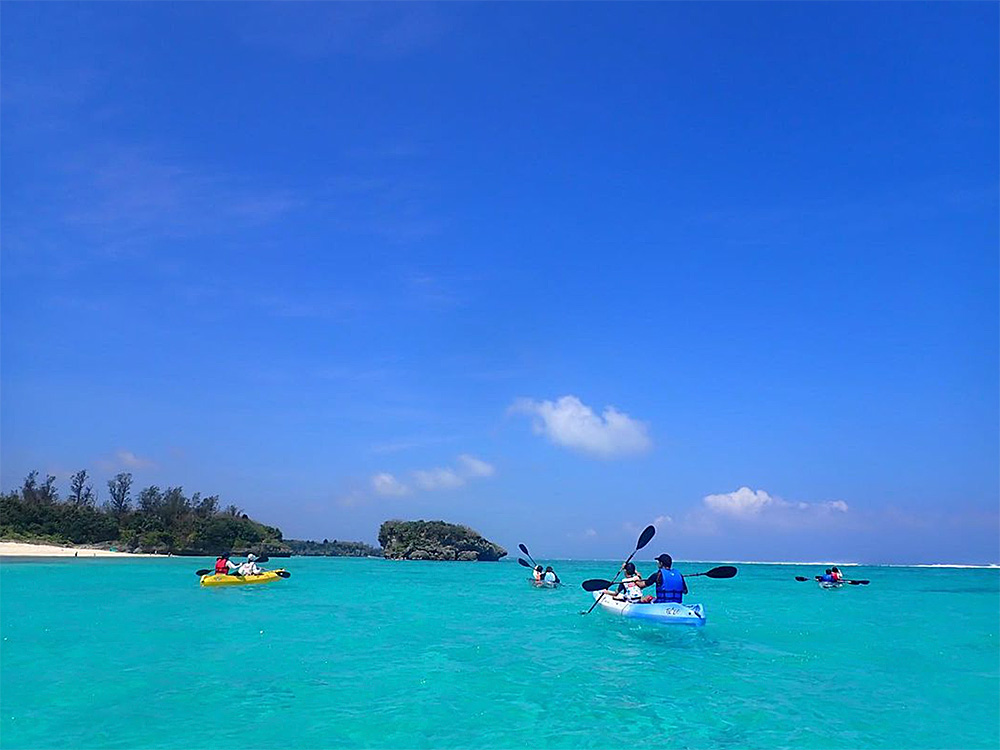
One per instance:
(669, 613)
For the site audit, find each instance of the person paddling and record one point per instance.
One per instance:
(836, 574)
(223, 565)
(250, 567)
(630, 588)
(670, 585)
(827, 577)
(538, 574)
(550, 576)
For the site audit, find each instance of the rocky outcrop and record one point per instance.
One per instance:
(435, 540)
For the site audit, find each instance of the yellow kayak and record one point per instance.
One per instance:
(267, 576)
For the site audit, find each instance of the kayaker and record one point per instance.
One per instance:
(827, 577)
(670, 585)
(836, 574)
(632, 584)
(550, 576)
(250, 568)
(223, 565)
(538, 574)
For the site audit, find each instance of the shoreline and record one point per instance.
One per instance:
(30, 549)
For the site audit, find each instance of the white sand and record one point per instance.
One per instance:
(26, 549)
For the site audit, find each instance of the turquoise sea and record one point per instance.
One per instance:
(377, 654)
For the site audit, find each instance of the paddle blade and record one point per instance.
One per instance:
(595, 584)
(203, 572)
(859, 583)
(283, 574)
(524, 562)
(801, 578)
(262, 559)
(644, 537)
(723, 571)
(524, 549)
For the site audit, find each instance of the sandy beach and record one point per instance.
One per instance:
(26, 549)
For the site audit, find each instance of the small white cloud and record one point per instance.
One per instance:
(132, 461)
(124, 459)
(386, 484)
(437, 479)
(662, 520)
(590, 533)
(571, 423)
(474, 467)
(746, 503)
(743, 502)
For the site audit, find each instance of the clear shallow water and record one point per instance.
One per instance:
(133, 653)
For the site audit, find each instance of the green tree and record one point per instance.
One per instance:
(47, 493)
(174, 506)
(151, 501)
(81, 494)
(205, 507)
(29, 489)
(120, 491)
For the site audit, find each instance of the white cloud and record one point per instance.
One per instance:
(124, 459)
(743, 502)
(386, 484)
(571, 423)
(746, 503)
(467, 468)
(437, 479)
(662, 520)
(474, 467)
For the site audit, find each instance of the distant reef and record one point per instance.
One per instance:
(335, 548)
(435, 540)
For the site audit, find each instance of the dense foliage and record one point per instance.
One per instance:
(158, 521)
(435, 540)
(334, 548)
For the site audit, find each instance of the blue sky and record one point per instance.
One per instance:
(555, 271)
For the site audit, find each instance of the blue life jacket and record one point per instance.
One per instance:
(826, 578)
(669, 586)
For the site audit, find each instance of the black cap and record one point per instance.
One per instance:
(666, 559)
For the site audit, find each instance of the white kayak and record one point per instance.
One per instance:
(668, 613)
(828, 584)
(543, 584)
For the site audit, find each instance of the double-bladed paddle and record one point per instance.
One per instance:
(598, 584)
(644, 537)
(852, 582)
(527, 554)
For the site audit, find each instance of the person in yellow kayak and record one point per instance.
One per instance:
(223, 565)
(250, 567)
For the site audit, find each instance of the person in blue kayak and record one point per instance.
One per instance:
(670, 585)
(827, 577)
(550, 575)
(630, 589)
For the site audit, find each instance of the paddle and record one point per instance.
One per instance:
(644, 537)
(525, 563)
(527, 554)
(723, 571)
(862, 582)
